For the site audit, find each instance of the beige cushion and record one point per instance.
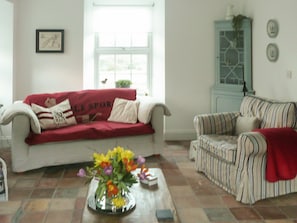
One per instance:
(124, 110)
(57, 116)
(246, 124)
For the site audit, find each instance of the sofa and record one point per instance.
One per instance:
(233, 149)
(68, 127)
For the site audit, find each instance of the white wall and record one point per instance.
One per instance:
(270, 78)
(48, 72)
(6, 62)
(189, 52)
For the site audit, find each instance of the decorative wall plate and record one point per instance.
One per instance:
(272, 52)
(272, 28)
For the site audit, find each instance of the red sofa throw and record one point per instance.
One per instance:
(281, 153)
(87, 105)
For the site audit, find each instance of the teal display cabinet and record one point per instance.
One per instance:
(233, 71)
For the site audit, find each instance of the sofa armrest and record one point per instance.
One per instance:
(146, 107)
(20, 108)
(216, 123)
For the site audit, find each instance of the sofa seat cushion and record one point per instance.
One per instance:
(92, 130)
(221, 146)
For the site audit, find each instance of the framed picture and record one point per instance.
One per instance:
(49, 40)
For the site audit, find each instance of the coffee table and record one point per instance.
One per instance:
(148, 200)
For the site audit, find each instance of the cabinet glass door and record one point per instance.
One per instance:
(231, 51)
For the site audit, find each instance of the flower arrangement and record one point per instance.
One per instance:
(114, 172)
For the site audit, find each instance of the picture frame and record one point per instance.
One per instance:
(49, 40)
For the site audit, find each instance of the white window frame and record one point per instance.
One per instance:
(125, 50)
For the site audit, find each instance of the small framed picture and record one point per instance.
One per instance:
(49, 40)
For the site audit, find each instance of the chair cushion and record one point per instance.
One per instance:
(222, 146)
(246, 124)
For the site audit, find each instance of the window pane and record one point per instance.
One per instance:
(106, 40)
(140, 40)
(123, 40)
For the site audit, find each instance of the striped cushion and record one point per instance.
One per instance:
(54, 117)
(280, 115)
(222, 146)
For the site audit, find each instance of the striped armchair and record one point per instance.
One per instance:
(236, 161)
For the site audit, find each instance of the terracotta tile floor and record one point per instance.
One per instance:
(55, 194)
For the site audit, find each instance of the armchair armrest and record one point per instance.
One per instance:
(216, 123)
(250, 166)
(20, 108)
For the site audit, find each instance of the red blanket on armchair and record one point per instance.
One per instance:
(281, 153)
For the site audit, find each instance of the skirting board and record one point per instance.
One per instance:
(179, 135)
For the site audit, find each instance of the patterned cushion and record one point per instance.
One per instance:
(57, 116)
(222, 146)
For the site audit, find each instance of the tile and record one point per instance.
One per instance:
(230, 201)
(62, 216)
(62, 204)
(43, 193)
(186, 202)
(36, 205)
(47, 183)
(9, 207)
(270, 212)
(71, 182)
(25, 183)
(210, 201)
(55, 194)
(245, 213)
(77, 216)
(66, 192)
(16, 194)
(53, 172)
(71, 172)
(280, 221)
(191, 215)
(181, 191)
(80, 203)
(289, 211)
(33, 217)
(219, 214)
(5, 218)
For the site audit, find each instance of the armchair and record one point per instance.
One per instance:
(233, 156)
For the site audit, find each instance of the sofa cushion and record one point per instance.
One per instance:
(92, 130)
(222, 146)
(57, 116)
(124, 111)
(280, 115)
(246, 124)
(87, 105)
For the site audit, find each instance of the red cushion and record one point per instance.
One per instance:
(92, 130)
(95, 104)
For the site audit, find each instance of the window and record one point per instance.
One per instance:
(123, 46)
